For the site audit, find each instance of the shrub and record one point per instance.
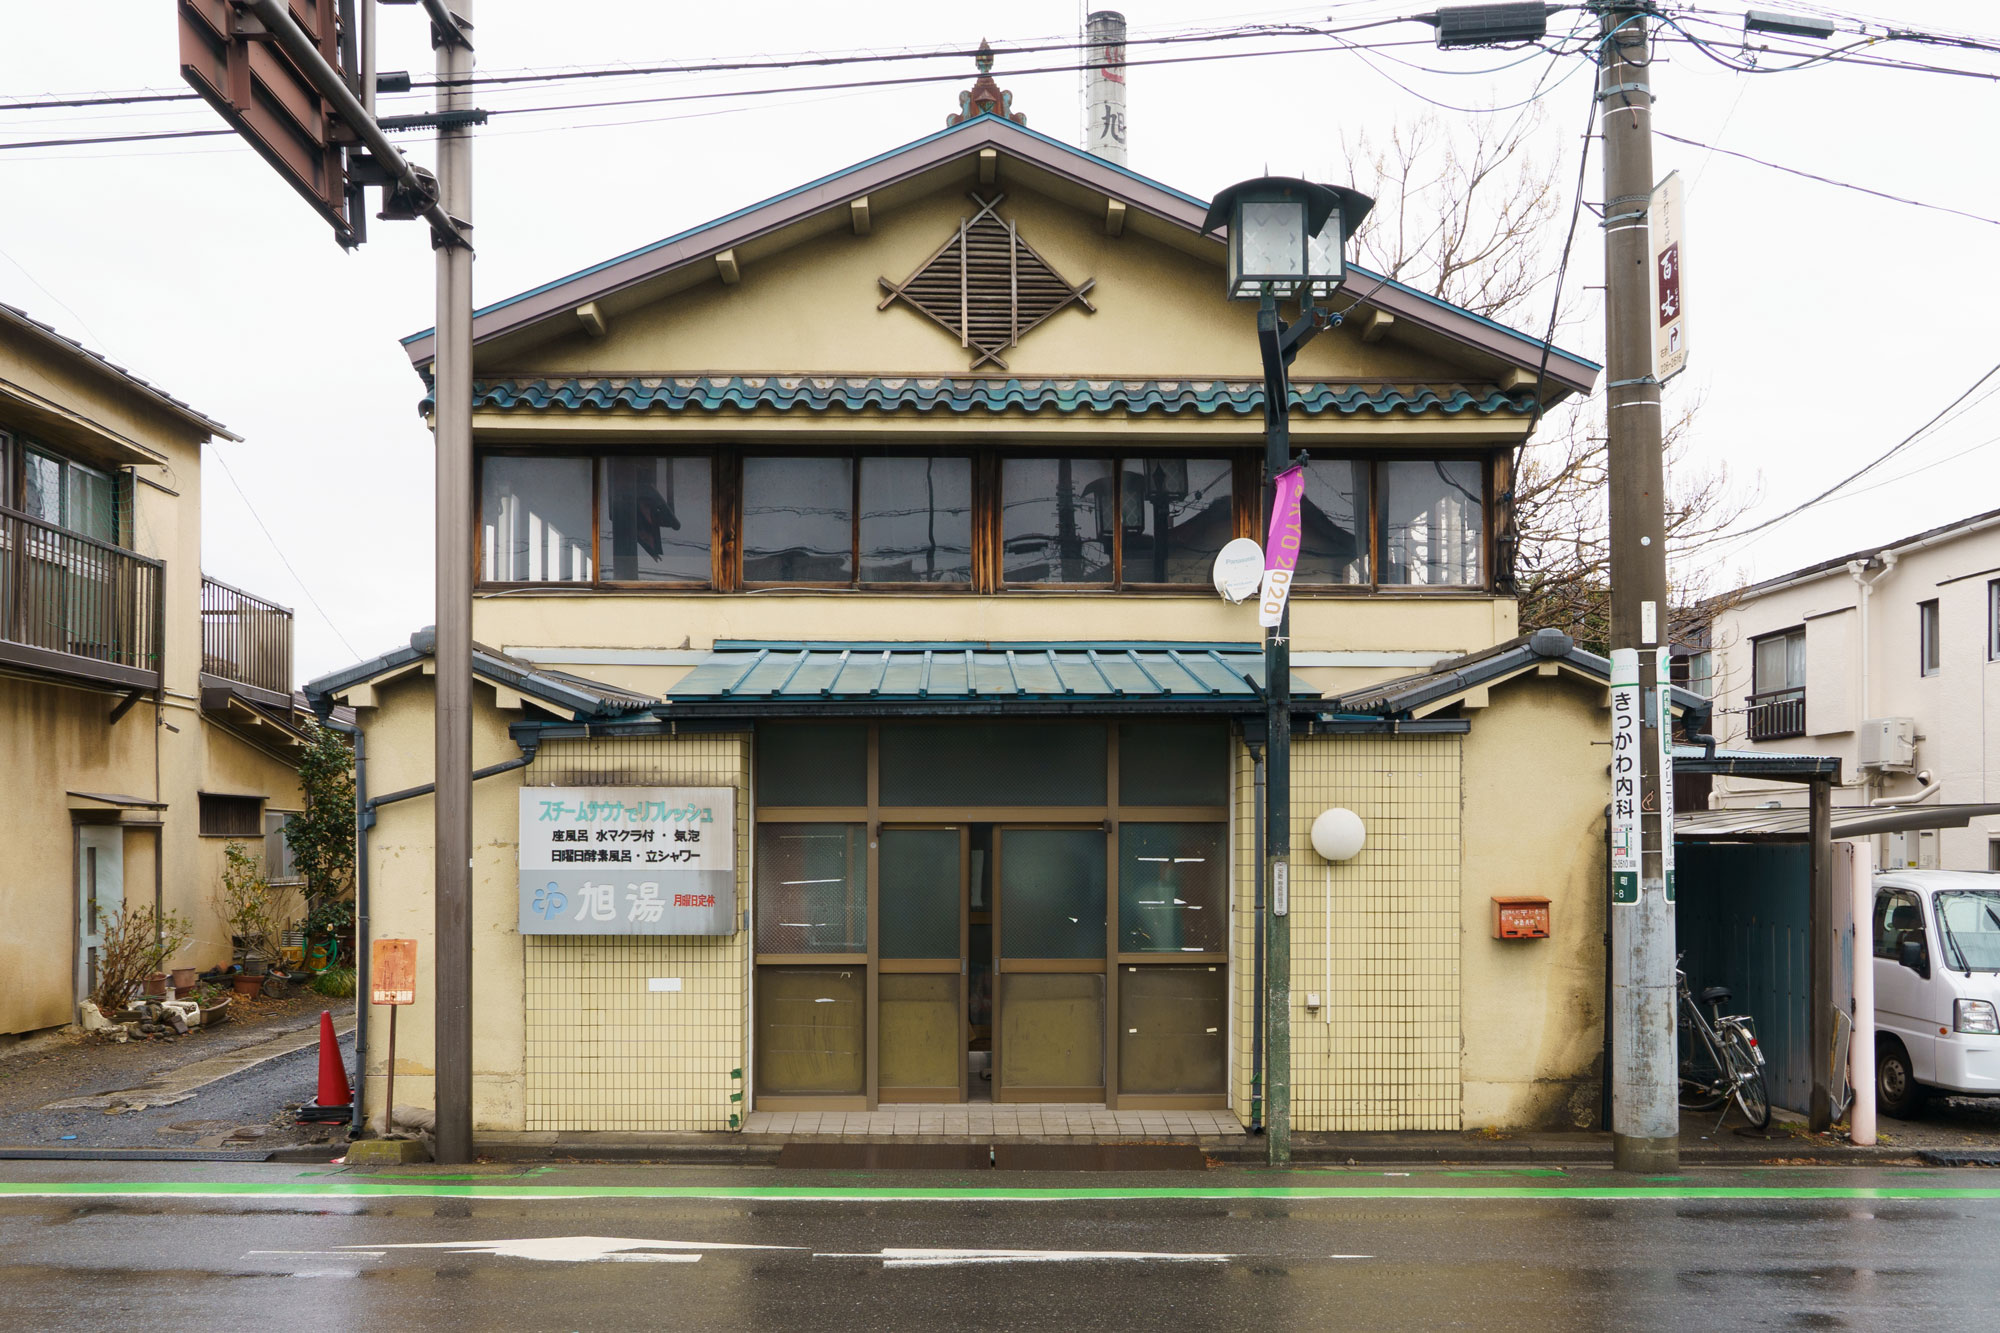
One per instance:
(136, 945)
(258, 912)
(335, 983)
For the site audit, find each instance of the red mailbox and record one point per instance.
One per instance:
(1520, 918)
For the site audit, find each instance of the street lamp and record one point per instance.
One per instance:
(1287, 238)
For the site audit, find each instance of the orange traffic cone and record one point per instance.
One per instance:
(336, 1100)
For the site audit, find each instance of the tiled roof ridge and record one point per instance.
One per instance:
(965, 393)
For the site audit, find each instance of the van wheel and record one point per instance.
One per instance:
(1897, 1092)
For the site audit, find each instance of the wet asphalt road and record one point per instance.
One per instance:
(1766, 1259)
(241, 1103)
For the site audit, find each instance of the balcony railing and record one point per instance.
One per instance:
(77, 606)
(245, 638)
(1777, 715)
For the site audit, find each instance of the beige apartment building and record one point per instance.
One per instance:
(1888, 659)
(146, 710)
(857, 725)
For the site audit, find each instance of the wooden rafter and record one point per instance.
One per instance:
(986, 286)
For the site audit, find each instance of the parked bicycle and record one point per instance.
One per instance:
(1720, 1060)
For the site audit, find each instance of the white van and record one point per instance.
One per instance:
(1937, 987)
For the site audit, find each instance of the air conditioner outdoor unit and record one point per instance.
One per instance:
(1888, 745)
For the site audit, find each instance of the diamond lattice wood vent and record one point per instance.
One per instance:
(987, 286)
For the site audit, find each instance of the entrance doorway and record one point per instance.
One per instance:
(1026, 913)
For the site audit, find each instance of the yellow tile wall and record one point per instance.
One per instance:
(604, 1053)
(1376, 937)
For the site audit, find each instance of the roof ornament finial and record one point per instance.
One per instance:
(985, 98)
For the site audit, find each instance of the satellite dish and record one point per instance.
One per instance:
(1239, 569)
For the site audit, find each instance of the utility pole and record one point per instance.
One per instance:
(451, 23)
(1645, 1119)
(1278, 749)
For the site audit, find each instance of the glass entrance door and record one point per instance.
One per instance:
(1051, 926)
(921, 964)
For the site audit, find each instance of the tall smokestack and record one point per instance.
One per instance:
(1104, 85)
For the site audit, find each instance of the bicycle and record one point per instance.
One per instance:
(1720, 1059)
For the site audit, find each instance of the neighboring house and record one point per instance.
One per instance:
(1889, 659)
(874, 523)
(146, 711)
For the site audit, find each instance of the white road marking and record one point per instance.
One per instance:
(337, 1254)
(581, 1249)
(926, 1258)
(1350, 1256)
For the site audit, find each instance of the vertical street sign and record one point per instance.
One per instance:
(1670, 337)
(1626, 738)
(1664, 694)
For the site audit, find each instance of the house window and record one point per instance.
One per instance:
(1701, 673)
(1777, 703)
(605, 519)
(279, 867)
(1153, 521)
(231, 816)
(1927, 638)
(535, 516)
(1333, 519)
(1058, 522)
(653, 519)
(61, 492)
(1993, 621)
(838, 521)
(1433, 519)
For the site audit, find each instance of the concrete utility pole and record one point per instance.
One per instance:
(1645, 1119)
(451, 23)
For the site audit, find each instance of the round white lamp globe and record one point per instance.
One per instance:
(1338, 834)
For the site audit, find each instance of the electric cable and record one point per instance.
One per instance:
(1828, 180)
(214, 448)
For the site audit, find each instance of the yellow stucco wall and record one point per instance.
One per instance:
(57, 738)
(812, 309)
(1535, 791)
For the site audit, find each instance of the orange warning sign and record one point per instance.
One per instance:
(393, 974)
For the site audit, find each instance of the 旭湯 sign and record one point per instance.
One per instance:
(628, 861)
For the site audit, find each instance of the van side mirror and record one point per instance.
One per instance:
(1910, 953)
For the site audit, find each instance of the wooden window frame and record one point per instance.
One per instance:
(211, 802)
(726, 556)
(596, 457)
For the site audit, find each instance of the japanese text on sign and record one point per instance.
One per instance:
(628, 861)
(1626, 738)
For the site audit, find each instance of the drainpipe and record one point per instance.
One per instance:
(1928, 786)
(1856, 569)
(364, 812)
(1257, 950)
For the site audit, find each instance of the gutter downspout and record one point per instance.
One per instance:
(365, 807)
(1856, 569)
(1257, 949)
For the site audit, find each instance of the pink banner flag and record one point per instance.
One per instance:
(1281, 550)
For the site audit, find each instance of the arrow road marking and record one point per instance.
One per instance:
(924, 1258)
(579, 1249)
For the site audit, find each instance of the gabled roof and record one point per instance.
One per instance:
(1182, 215)
(18, 319)
(557, 691)
(1451, 680)
(1838, 565)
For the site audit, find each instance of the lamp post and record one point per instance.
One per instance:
(1287, 239)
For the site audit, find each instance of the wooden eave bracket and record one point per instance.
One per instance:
(989, 165)
(1517, 378)
(726, 268)
(1376, 326)
(857, 214)
(591, 316)
(1114, 217)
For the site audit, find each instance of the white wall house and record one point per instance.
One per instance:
(1888, 658)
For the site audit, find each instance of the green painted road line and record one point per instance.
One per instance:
(328, 1189)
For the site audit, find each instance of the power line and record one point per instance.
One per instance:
(1828, 180)
(1880, 459)
(216, 449)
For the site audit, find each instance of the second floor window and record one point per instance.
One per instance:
(1993, 621)
(615, 518)
(1778, 662)
(839, 520)
(61, 492)
(1929, 650)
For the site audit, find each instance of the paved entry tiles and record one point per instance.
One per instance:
(1026, 1122)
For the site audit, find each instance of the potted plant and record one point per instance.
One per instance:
(184, 979)
(258, 912)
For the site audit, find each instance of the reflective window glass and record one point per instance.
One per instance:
(812, 763)
(653, 521)
(916, 520)
(1173, 888)
(812, 888)
(1052, 893)
(1433, 517)
(535, 519)
(993, 763)
(798, 520)
(1173, 763)
(1333, 517)
(1178, 513)
(1057, 520)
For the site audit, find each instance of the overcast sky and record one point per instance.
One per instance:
(1826, 324)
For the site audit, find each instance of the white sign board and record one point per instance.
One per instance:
(1665, 695)
(1670, 330)
(1239, 569)
(628, 861)
(1626, 738)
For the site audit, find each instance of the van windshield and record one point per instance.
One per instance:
(1971, 922)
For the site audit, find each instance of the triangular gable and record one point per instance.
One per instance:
(844, 199)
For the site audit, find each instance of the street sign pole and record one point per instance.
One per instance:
(1645, 1119)
(451, 23)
